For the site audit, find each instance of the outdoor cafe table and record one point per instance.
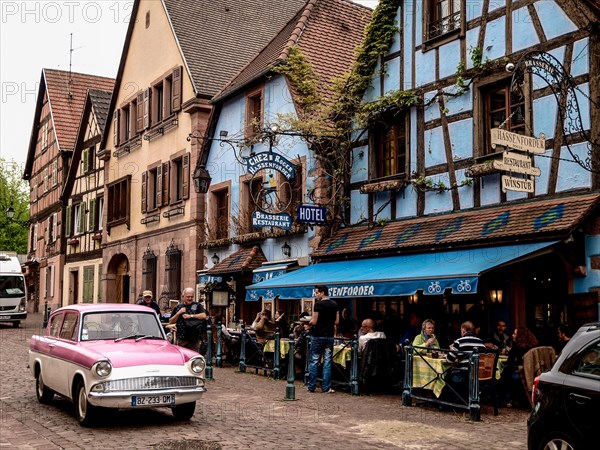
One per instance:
(284, 347)
(342, 354)
(427, 373)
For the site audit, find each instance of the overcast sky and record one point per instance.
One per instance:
(36, 35)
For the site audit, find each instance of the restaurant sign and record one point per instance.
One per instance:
(515, 162)
(516, 184)
(516, 141)
(270, 160)
(262, 219)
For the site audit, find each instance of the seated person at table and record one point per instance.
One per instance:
(301, 345)
(281, 322)
(263, 326)
(459, 353)
(368, 328)
(230, 342)
(510, 382)
(413, 330)
(427, 336)
(499, 340)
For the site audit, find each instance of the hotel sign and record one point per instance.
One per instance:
(517, 141)
(515, 162)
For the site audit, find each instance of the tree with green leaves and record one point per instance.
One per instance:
(14, 195)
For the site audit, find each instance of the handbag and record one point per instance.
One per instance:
(194, 327)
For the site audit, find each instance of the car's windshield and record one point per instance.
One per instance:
(119, 325)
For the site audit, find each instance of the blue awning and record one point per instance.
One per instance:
(432, 273)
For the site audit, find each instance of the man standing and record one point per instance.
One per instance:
(149, 302)
(182, 315)
(323, 321)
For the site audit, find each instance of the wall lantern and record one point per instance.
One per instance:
(286, 250)
(10, 212)
(413, 299)
(201, 179)
(496, 295)
(215, 259)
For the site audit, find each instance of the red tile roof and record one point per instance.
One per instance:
(510, 223)
(218, 38)
(243, 260)
(326, 31)
(67, 93)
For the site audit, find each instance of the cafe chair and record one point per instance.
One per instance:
(377, 366)
(488, 384)
(535, 361)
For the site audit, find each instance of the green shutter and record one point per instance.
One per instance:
(68, 224)
(92, 215)
(88, 284)
(82, 208)
(99, 283)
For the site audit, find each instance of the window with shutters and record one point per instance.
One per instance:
(179, 188)
(44, 137)
(149, 269)
(49, 282)
(88, 284)
(77, 219)
(88, 159)
(172, 272)
(219, 213)
(33, 238)
(46, 180)
(52, 227)
(152, 188)
(165, 97)
(118, 202)
(91, 225)
(127, 123)
(254, 112)
(99, 283)
(99, 212)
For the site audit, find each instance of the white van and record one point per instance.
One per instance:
(13, 294)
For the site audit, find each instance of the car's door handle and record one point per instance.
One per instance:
(51, 345)
(581, 399)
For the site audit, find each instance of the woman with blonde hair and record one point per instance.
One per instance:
(427, 336)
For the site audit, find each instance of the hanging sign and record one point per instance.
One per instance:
(516, 141)
(270, 160)
(311, 214)
(262, 219)
(515, 162)
(516, 184)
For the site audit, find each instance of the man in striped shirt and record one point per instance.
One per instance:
(457, 378)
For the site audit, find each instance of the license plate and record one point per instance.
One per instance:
(152, 400)
(5, 317)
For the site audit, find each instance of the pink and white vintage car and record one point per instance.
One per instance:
(114, 356)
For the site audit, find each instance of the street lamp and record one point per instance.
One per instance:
(215, 259)
(201, 179)
(286, 250)
(10, 212)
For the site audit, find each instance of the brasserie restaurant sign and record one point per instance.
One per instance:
(262, 219)
(516, 141)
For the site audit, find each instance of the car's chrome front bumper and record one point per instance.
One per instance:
(123, 399)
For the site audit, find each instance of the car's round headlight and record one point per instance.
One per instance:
(103, 368)
(197, 364)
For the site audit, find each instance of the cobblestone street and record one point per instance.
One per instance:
(241, 411)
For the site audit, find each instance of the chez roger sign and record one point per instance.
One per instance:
(515, 162)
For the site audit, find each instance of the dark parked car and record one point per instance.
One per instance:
(566, 400)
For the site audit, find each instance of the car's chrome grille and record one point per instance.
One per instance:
(151, 383)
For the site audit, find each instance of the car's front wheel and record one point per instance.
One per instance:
(184, 411)
(557, 441)
(85, 412)
(43, 394)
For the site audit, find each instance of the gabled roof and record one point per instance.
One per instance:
(217, 38)
(245, 259)
(326, 31)
(554, 218)
(96, 102)
(66, 93)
